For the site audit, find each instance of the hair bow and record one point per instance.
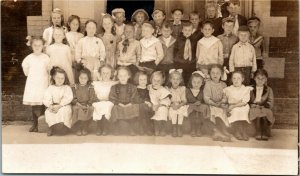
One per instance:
(28, 38)
(200, 73)
(225, 72)
(173, 70)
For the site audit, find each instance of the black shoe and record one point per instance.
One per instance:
(179, 131)
(174, 131)
(50, 132)
(33, 128)
(79, 133)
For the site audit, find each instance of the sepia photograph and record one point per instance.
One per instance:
(150, 87)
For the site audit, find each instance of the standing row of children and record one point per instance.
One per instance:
(180, 51)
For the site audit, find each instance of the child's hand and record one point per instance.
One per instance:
(230, 107)
(148, 103)
(197, 103)
(224, 106)
(122, 105)
(155, 107)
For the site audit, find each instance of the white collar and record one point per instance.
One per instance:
(148, 42)
(177, 23)
(208, 42)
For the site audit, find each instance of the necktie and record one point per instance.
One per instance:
(125, 44)
(187, 50)
(236, 26)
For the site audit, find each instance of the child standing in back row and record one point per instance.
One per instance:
(138, 18)
(177, 15)
(119, 15)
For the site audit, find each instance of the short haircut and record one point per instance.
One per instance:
(234, 2)
(148, 24)
(56, 70)
(194, 75)
(227, 20)
(158, 73)
(156, 11)
(210, 4)
(167, 25)
(208, 22)
(194, 13)
(262, 72)
(137, 77)
(70, 19)
(177, 9)
(187, 24)
(88, 73)
(253, 19)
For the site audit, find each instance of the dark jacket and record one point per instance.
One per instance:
(179, 49)
(267, 98)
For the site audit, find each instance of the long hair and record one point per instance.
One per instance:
(88, 73)
(113, 29)
(64, 41)
(86, 23)
(58, 11)
(194, 75)
(56, 70)
(160, 74)
(70, 19)
(169, 82)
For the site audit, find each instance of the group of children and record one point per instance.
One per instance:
(165, 71)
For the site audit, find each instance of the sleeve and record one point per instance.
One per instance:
(220, 51)
(92, 96)
(113, 97)
(25, 66)
(74, 101)
(207, 94)
(69, 54)
(198, 54)
(68, 96)
(47, 100)
(45, 35)
(246, 96)
(165, 98)
(254, 66)
(138, 52)
(159, 51)
(231, 59)
(78, 50)
(270, 101)
(102, 50)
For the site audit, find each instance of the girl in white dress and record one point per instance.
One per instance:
(60, 53)
(178, 108)
(238, 96)
(36, 68)
(73, 35)
(160, 99)
(102, 107)
(57, 99)
(56, 20)
(90, 50)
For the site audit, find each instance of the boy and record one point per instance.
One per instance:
(151, 49)
(119, 15)
(239, 20)
(211, 14)
(256, 40)
(158, 16)
(242, 55)
(228, 39)
(177, 15)
(184, 52)
(209, 49)
(128, 50)
(138, 18)
(194, 18)
(167, 41)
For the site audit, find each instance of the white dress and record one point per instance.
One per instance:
(160, 97)
(178, 96)
(237, 95)
(36, 68)
(63, 96)
(47, 35)
(73, 38)
(60, 56)
(103, 106)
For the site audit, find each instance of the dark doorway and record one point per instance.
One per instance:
(130, 6)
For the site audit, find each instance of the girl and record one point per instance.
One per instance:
(124, 97)
(109, 39)
(56, 20)
(178, 108)
(129, 50)
(146, 112)
(213, 95)
(83, 97)
(237, 96)
(261, 103)
(36, 68)
(209, 48)
(102, 108)
(90, 50)
(60, 53)
(197, 110)
(57, 99)
(160, 99)
(73, 35)
(138, 18)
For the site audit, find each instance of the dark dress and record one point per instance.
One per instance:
(195, 110)
(146, 112)
(125, 94)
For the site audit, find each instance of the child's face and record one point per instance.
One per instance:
(233, 9)
(59, 79)
(123, 76)
(158, 17)
(129, 32)
(156, 81)
(197, 82)
(187, 31)
(120, 18)
(243, 36)
(207, 30)
(91, 29)
(107, 24)
(83, 79)
(37, 46)
(56, 19)
(195, 20)
(175, 80)
(211, 12)
(177, 16)
(105, 74)
(147, 31)
(228, 27)
(215, 74)
(74, 25)
(58, 35)
(140, 18)
(260, 80)
(253, 27)
(143, 80)
(237, 79)
(166, 32)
